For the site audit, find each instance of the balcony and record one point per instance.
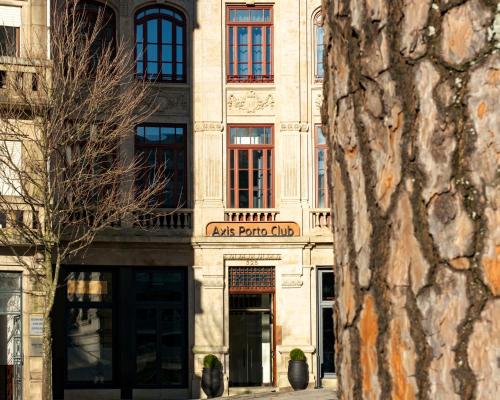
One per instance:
(250, 214)
(320, 219)
(177, 221)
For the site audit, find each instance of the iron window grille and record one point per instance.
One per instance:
(251, 279)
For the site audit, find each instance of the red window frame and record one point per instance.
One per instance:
(179, 186)
(318, 148)
(233, 184)
(232, 51)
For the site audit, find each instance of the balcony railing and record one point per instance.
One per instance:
(321, 218)
(166, 219)
(251, 215)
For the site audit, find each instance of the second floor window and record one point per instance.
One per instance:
(164, 145)
(10, 25)
(321, 150)
(160, 34)
(250, 166)
(250, 44)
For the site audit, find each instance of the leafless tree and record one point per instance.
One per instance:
(65, 174)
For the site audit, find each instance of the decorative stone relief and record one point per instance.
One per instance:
(203, 126)
(294, 126)
(213, 281)
(317, 103)
(252, 256)
(250, 103)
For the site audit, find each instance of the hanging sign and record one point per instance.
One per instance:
(252, 229)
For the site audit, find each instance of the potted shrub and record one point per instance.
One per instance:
(298, 371)
(212, 380)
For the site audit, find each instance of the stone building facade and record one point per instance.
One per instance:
(241, 267)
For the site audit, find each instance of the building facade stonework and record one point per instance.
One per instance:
(242, 265)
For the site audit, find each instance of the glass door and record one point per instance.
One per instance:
(326, 334)
(10, 336)
(250, 339)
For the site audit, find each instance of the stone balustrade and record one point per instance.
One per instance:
(320, 218)
(250, 215)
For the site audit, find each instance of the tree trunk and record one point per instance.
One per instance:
(411, 108)
(47, 358)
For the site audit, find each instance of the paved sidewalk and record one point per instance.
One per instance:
(310, 394)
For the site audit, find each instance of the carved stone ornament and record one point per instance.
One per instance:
(252, 256)
(212, 126)
(294, 126)
(318, 102)
(251, 102)
(213, 281)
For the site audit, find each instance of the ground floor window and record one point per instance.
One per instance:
(125, 328)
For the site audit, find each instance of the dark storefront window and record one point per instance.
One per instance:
(161, 329)
(125, 328)
(326, 339)
(89, 327)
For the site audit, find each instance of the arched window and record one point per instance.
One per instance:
(107, 34)
(160, 34)
(318, 46)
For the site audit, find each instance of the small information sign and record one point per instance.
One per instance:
(36, 325)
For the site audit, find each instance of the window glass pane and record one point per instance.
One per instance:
(232, 15)
(152, 31)
(179, 135)
(243, 15)
(256, 35)
(258, 159)
(145, 346)
(10, 302)
(8, 41)
(140, 68)
(242, 69)
(89, 345)
(167, 134)
(89, 286)
(243, 179)
(178, 70)
(152, 134)
(256, 15)
(327, 286)
(166, 31)
(243, 159)
(242, 35)
(328, 356)
(243, 199)
(172, 344)
(138, 33)
(320, 137)
(179, 55)
(179, 35)
(10, 281)
(152, 68)
(267, 15)
(159, 286)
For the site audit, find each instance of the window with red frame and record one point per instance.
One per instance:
(321, 150)
(249, 41)
(250, 166)
(163, 146)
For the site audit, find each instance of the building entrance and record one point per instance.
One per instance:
(10, 336)
(251, 326)
(326, 335)
(250, 339)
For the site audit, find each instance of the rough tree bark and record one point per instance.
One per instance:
(412, 111)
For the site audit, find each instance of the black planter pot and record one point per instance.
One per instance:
(212, 382)
(298, 374)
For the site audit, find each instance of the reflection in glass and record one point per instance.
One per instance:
(89, 345)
